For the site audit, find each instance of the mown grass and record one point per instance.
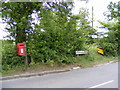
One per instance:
(84, 61)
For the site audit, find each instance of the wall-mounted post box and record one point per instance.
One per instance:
(21, 48)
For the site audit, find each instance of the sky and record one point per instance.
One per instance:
(99, 6)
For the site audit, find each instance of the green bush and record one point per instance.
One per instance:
(109, 49)
(109, 46)
(55, 48)
(9, 55)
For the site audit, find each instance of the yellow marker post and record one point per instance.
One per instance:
(100, 50)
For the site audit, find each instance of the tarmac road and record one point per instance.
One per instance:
(105, 76)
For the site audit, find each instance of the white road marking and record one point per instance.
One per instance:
(101, 84)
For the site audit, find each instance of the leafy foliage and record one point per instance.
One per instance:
(113, 10)
(54, 40)
(112, 41)
(18, 17)
(9, 55)
(84, 26)
(114, 13)
(59, 40)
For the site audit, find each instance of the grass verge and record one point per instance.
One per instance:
(0, 58)
(93, 58)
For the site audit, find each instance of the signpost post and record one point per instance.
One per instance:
(26, 60)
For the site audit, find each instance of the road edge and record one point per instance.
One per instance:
(48, 72)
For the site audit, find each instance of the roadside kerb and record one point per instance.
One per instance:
(33, 74)
(110, 62)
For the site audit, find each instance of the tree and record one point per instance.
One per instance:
(18, 17)
(56, 36)
(109, 43)
(114, 13)
(113, 38)
(84, 26)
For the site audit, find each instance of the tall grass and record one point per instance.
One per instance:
(92, 58)
(0, 57)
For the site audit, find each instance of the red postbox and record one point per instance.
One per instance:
(21, 48)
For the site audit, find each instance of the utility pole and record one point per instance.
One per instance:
(118, 30)
(92, 17)
(92, 21)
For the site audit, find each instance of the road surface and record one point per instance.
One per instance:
(105, 76)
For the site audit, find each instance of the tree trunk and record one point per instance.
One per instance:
(20, 36)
